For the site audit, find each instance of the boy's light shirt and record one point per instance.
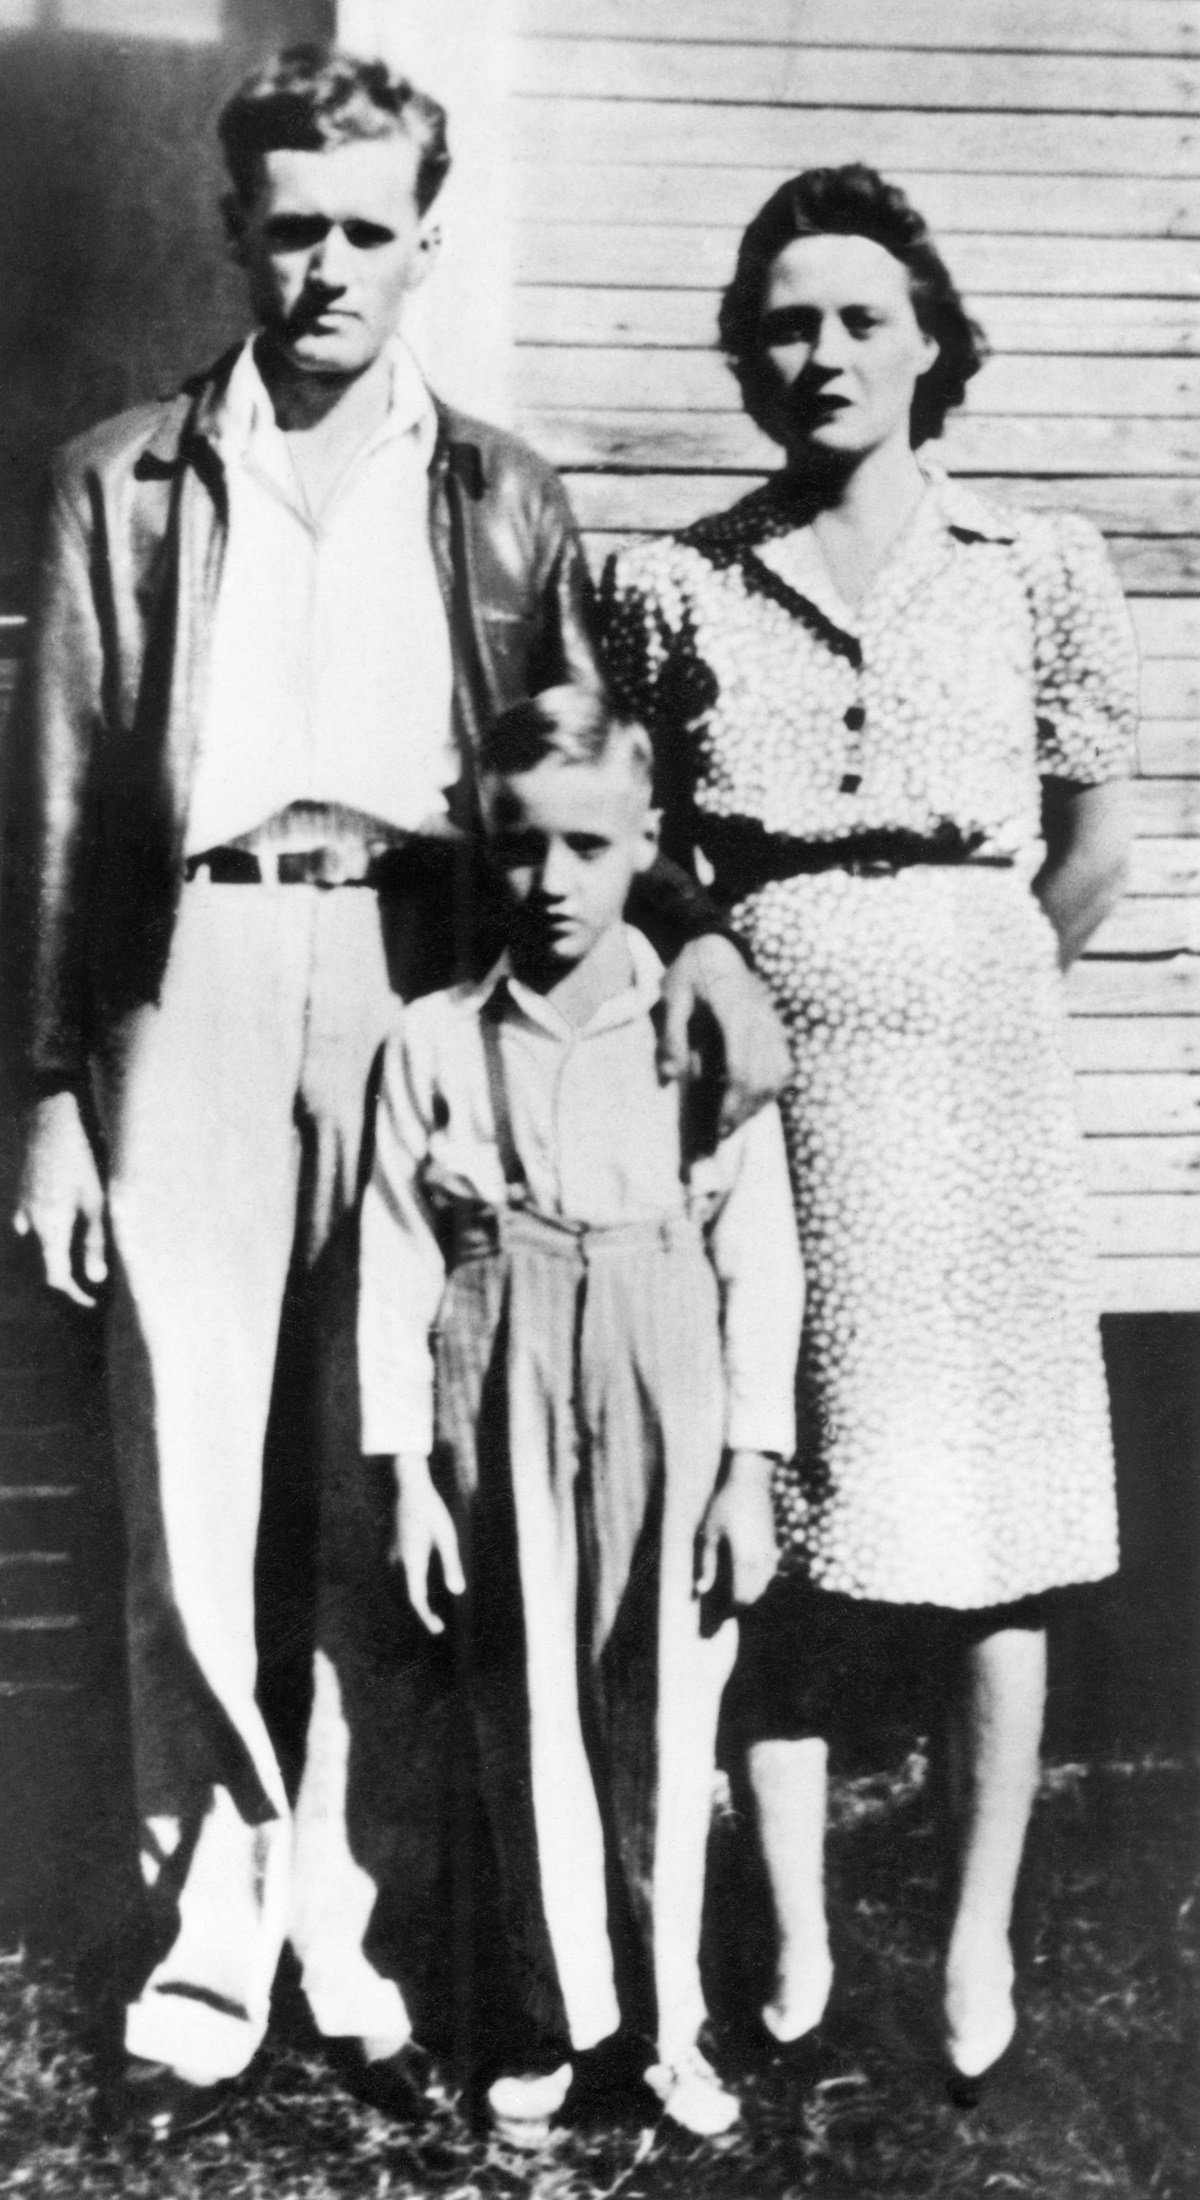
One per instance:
(599, 1141)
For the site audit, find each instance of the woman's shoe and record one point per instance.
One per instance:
(796, 2018)
(693, 2096)
(975, 2055)
(967, 2088)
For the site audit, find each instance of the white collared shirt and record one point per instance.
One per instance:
(598, 1139)
(329, 678)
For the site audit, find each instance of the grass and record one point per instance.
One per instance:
(1099, 2101)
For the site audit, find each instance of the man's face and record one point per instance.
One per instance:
(332, 243)
(569, 840)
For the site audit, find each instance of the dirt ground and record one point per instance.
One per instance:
(1101, 2097)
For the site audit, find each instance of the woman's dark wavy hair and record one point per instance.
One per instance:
(853, 202)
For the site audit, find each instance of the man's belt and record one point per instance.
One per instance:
(392, 867)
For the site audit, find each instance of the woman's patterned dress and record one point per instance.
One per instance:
(956, 1448)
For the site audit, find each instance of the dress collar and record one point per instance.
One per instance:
(946, 514)
(781, 505)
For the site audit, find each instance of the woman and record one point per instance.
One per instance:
(895, 721)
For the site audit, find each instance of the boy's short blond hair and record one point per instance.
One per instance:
(574, 724)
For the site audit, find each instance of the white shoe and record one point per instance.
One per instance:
(980, 2026)
(790, 2016)
(693, 2096)
(523, 2105)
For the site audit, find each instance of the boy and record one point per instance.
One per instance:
(585, 1281)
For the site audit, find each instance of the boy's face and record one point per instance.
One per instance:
(569, 840)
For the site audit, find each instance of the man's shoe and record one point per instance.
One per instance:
(396, 2085)
(152, 2101)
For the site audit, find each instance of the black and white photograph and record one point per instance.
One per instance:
(599, 1099)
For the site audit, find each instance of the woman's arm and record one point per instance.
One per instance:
(1087, 833)
(719, 1018)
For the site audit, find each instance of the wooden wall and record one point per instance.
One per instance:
(1055, 147)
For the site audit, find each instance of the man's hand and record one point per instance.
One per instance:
(741, 1517)
(421, 1528)
(709, 983)
(60, 1193)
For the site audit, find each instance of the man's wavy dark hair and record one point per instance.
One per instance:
(852, 202)
(310, 97)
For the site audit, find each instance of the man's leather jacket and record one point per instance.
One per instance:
(107, 717)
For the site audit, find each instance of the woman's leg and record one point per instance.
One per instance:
(1005, 1696)
(788, 1780)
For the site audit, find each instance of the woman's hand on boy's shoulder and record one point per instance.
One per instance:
(720, 1025)
(740, 1519)
(422, 1529)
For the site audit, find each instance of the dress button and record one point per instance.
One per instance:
(856, 718)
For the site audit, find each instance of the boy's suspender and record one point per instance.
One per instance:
(491, 1018)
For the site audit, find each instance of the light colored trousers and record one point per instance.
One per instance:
(580, 1419)
(234, 1113)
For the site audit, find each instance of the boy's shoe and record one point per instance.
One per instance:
(151, 2101)
(693, 2096)
(523, 2104)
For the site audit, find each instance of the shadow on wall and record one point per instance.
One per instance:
(115, 285)
(1125, 1674)
(112, 262)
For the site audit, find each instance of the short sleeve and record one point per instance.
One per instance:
(1085, 656)
(655, 673)
(636, 638)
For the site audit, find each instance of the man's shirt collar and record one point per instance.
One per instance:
(242, 413)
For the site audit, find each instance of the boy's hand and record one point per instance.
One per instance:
(741, 1517)
(421, 1528)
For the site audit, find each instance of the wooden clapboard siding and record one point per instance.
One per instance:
(1170, 27)
(696, 197)
(1029, 448)
(1055, 146)
(787, 75)
(619, 133)
(1135, 327)
(1168, 747)
(659, 379)
(672, 254)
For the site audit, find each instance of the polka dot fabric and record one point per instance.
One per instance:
(956, 1447)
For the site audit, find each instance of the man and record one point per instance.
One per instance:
(274, 614)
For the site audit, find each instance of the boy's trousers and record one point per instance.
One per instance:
(580, 1421)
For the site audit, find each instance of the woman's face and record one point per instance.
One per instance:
(846, 349)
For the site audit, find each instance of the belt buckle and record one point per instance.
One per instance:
(330, 865)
